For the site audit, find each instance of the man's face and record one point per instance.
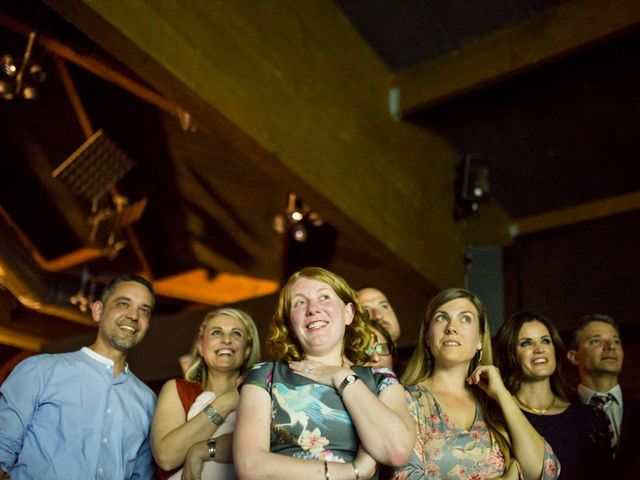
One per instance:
(599, 350)
(124, 317)
(380, 309)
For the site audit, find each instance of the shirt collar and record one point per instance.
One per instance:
(586, 393)
(104, 360)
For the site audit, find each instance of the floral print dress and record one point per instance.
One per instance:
(309, 420)
(444, 450)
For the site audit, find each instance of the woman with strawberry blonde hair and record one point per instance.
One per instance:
(316, 413)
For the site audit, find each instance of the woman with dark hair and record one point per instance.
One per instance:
(382, 351)
(469, 425)
(315, 413)
(195, 416)
(528, 346)
(382, 354)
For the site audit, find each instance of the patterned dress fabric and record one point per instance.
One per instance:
(444, 450)
(309, 420)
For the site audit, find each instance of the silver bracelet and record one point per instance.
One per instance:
(213, 415)
(355, 470)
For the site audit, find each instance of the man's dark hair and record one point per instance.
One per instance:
(586, 320)
(127, 277)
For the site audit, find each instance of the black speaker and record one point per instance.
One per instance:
(472, 184)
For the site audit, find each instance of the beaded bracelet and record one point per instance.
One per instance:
(326, 471)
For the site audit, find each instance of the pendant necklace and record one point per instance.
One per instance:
(537, 411)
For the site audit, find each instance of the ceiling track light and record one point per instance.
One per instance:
(296, 219)
(16, 78)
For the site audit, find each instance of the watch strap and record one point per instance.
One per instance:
(348, 380)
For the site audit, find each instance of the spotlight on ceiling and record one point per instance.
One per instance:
(16, 78)
(296, 219)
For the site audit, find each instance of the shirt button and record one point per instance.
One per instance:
(109, 411)
(100, 471)
(105, 440)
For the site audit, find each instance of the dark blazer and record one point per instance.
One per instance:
(627, 461)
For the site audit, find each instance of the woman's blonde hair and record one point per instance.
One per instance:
(197, 371)
(422, 363)
(284, 345)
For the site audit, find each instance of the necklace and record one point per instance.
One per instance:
(537, 411)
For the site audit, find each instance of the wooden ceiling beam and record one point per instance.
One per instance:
(578, 213)
(301, 94)
(26, 341)
(100, 67)
(543, 38)
(68, 260)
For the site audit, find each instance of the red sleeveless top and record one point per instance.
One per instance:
(188, 392)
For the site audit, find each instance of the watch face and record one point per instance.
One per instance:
(348, 380)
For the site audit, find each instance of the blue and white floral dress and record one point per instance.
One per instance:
(309, 420)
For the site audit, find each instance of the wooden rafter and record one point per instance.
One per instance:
(100, 67)
(503, 54)
(578, 213)
(68, 260)
(26, 341)
(309, 108)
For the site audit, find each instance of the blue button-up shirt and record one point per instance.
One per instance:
(66, 416)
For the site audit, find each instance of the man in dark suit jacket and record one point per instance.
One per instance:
(596, 349)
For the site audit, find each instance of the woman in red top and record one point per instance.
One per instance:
(195, 417)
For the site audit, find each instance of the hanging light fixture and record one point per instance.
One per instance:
(296, 219)
(16, 78)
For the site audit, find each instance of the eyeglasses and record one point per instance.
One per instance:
(380, 348)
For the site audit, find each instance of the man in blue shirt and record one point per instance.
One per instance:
(84, 415)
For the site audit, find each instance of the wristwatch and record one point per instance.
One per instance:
(211, 445)
(348, 380)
